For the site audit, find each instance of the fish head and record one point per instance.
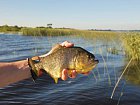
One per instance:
(85, 62)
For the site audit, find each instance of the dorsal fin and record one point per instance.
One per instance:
(55, 48)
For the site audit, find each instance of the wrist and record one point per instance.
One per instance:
(21, 65)
(21, 68)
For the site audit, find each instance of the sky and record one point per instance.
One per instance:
(79, 14)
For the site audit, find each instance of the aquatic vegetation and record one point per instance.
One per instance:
(100, 35)
(49, 31)
(122, 74)
(7, 29)
(113, 50)
(132, 75)
(131, 43)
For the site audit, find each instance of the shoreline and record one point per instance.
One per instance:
(11, 33)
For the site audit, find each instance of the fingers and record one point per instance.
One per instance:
(65, 75)
(73, 74)
(67, 44)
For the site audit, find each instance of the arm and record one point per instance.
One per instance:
(11, 72)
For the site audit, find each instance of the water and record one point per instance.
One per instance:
(96, 88)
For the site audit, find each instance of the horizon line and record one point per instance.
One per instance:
(92, 29)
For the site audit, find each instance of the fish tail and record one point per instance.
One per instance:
(36, 71)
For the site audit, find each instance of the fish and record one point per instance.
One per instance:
(72, 58)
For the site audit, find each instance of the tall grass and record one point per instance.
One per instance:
(131, 43)
(100, 35)
(50, 32)
(62, 32)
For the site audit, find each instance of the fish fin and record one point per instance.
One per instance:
(56, 47)
(56, 80)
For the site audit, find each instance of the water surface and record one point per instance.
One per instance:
(94, 89)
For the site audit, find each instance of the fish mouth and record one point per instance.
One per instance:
(96, 61)
(90, 66)
(93, 62)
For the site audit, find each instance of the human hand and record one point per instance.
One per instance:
(65, 75)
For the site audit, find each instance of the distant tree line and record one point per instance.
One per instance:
(6, 28)
(48, 31)
(38, 31)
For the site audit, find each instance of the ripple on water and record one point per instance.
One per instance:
(84, 90)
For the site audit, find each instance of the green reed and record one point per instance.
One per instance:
(50, 32)
(131, 43)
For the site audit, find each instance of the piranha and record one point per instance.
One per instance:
(72, 58)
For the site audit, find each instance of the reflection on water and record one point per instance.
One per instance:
(94, 89)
